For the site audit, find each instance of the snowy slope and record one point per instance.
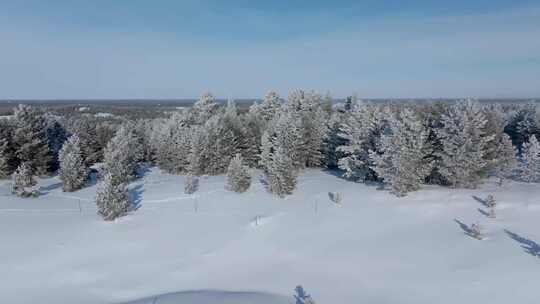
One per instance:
(375, 248)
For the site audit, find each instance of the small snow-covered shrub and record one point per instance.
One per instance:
(490, 201)
(238, 177)
(112, 198)
(476, 231)
(335, 197)
(23, 181)
(192, 184)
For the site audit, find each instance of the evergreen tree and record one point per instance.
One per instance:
(23, 179)
(359, 135)
(404, 159)
(523, 124)
(464, 145)
(56, 136)
(4, 159)
(204, 108)
(112, 198)
(505, 161)
(253, 134)
(334, 140)
(8, 160)
(306, 109)
(530, 160)
(238, 176)
(284, 131)
(270, 106)
(281, 173)
(73, 171)
(122, 154)
(30, 139)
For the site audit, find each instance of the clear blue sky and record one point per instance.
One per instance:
(177, 49)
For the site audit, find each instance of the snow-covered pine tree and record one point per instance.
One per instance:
(73, 172)
(334, 140)
(30, 139)
(306, 109)
(198, 151)
(530, 161)
(7, 153)
(238, 176)
(112, 198)
(170, 140)
(23, 178)
(253, 132)
(505, 160)
(464, 145)
(56, 136)
(191, 184)
(281, 173)
(4, 159)
(270, 106)
(122, 154)
(404, 160)
(87, 130)
(283, 131)
(523, 124)
(204, 108)
(358, 136)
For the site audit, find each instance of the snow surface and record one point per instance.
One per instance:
(221, 246)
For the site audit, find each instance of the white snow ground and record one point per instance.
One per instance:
(375, 248)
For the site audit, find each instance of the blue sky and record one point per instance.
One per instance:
(241, 49)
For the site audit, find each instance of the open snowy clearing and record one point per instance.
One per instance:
(373, 248)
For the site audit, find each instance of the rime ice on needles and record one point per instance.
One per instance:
(22, 180)
(530, 160)
(73, 171)
(238, 176)
(464, 144)
(112, 198)
(403, 161)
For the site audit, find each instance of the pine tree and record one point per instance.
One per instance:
(122, 154)
(404, 159)
(4, 159)
(505, 160)
(359, 135)
(238, 176)
(112, 198)
(204, 108)
(530, 160)
(305, 108)
(270, 106)
(73, 171)
(30, 139)
(523, 124)
(23, 179)
(56, 136)
(464, 145)
(281, 173)
(334, 140)
(253, 134)
(8, 160)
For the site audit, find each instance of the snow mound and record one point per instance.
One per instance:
(215, 297)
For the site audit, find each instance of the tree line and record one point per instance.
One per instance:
(403, 145)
